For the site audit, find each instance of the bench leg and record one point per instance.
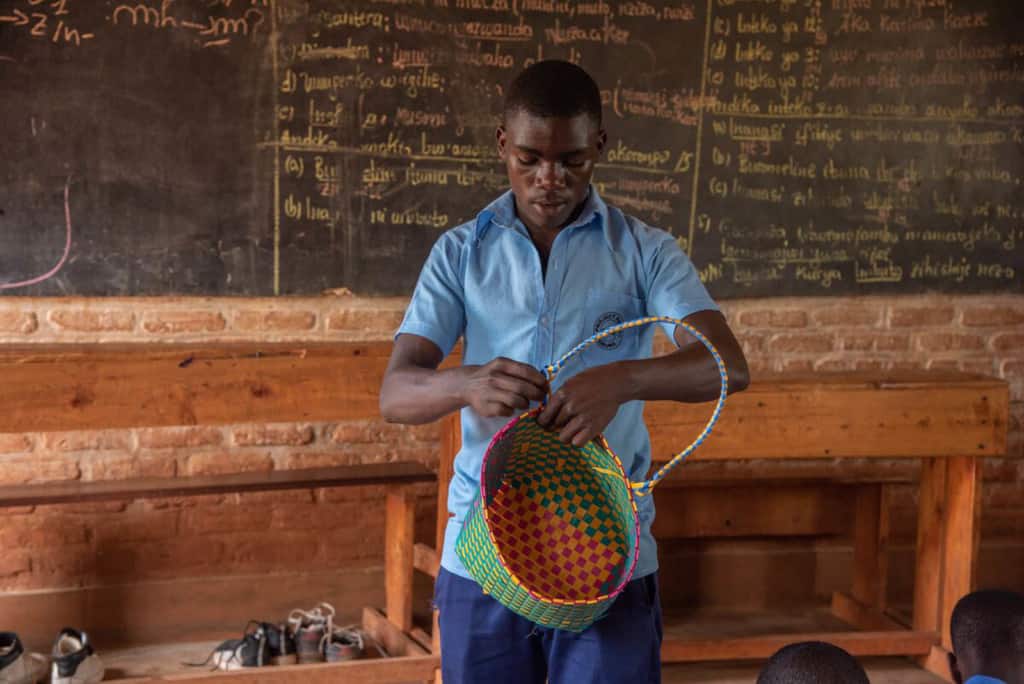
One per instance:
(931, 523)
(870, 546)
(959, 556)
(398, 559)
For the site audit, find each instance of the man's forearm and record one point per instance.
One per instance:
(415, 395)
(687, 375)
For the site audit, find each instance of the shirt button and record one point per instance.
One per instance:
(544, 320)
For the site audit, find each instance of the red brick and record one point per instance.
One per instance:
(979, 366)
(275, 321)
(773, 318)
(868, 365)
(993, 316)
(222, 462)
(1009, 343)
(24, 469)
(127, 466)
(274, 435)
(833, 365)
(325, 516)
(259, 551)
(106, 440)
(183, 502)
(858, 342)
(227, 519)
(166, 558)
(919, 316)
(797, 366)
(1013, 372)
(943, 365)
(64, 566)
(289, 496)
(92, 321)
(893, 343)
(180, 437)
(941, 342)
(15, 562)
(430, 432)
(1010, 494)
(136, 526)
(807, 343)
(42, 530)
(318, 459)
(906, 365)
(183, 322)
(1000, 470)
(752, 344)
(13, 444)
(365, 432)
(851, 315)
(18, 322)
(365, 319)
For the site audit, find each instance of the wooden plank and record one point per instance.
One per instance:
(367, 671)
(398, 559)
(842, 417)
(883, 643)
(936, 662)
(451, 442)
(394, 641)
(859, 615)
(425, 559)
(85, 387)
(752, 510)
(931, 520)
(870, 546)
(397, 473)
(421, 638)
(960, 544)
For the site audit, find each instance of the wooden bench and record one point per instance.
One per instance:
(110, 387)
(947, 421)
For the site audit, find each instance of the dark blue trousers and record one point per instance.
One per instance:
(482, 642)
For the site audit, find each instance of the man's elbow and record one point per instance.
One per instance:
(739, 374)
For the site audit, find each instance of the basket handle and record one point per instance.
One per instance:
(643, 488)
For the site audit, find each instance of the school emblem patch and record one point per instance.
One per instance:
(607, 320)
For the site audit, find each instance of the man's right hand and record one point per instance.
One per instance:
(502, 387)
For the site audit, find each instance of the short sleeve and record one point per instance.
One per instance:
(674, 288)
(437, 310)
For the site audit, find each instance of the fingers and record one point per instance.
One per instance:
(576, 432)
(524, 372)
(508, 383)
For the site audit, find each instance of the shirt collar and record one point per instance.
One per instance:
(502, 212)
(982, 679)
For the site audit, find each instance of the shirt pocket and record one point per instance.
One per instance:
(605, 309)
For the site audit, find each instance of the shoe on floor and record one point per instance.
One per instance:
(281, 644)
(74, 660)
(345, 643)
(17, 666)
(252, 650)
(310, 629)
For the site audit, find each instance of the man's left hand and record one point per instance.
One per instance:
(582, 407)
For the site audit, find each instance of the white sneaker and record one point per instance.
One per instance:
(74, 660)
(18, 667)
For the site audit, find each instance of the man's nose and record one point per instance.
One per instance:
(551, 174)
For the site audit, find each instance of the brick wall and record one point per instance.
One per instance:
(100, 544)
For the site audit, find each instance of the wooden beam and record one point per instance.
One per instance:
(397, 643)
(937, 662)
(960, 543)
(931, 521)
(885, 643)
(398, 559)
(752, 510)
(398, 473)
(870, 546)
(425, 559)
(843, 416)
(365, 671)
(857, 614)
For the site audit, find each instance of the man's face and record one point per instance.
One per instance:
(549, 162)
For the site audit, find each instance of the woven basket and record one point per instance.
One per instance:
(554, 533)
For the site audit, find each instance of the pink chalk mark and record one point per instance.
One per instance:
(67, 247)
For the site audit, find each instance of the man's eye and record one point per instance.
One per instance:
(575, 163)
(527, 161)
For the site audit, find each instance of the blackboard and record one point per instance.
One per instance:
(260, 147)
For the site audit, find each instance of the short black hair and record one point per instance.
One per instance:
(812, 662)
(988, 626)
(553, 88)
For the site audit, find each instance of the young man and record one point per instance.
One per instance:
(812, 662)
(543, 267)
(987, 628)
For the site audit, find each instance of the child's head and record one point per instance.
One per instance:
(812, 662)
(988, 636)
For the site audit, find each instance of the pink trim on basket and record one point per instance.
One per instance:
(501, 558)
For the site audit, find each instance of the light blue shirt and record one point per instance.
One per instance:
(982, 679)
(483, 281)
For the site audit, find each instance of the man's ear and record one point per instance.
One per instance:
(954, 670)
(501, 138)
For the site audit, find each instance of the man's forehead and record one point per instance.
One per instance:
(529, 130)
